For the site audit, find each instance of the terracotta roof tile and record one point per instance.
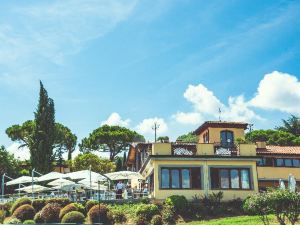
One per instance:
(280, 150)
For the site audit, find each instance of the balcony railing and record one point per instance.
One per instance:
(226, 148)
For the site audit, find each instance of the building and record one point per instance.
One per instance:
(216, 163)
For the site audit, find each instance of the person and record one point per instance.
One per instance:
(119, 189)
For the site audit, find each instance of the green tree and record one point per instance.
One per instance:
(163, 139)
(291, 125)
(100, 165)
(138, 137)
(124, 165)
(113, 139)
(189, 137)
(8, 164)
(119, 163)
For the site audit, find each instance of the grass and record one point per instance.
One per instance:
(245, 220)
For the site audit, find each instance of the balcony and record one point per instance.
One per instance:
(226, 149)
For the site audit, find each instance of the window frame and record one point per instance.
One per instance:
(239, 169)
(180, 178)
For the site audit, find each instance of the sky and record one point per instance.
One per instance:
(136, 62)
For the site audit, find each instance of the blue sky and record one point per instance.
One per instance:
(132, 62)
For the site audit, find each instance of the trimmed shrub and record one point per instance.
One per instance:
(119, 217)
(6, 207)
(212, 204)
(89, 204)
(157, 220)
(73, 217)
(37, 218)
(38, 204)
(29, 222)
(71, 207)
(99, 211)
(24, 212)
(141, 220)
(50, 213)
(168, 214)
(147, 211)
(12, 220)
(2, 215)
(18, 203)
(60, 201)
(179, 202)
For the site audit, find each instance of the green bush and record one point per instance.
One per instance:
(24, 212)
(18, 203)
(2, 215)
(6, 207)
(141, 220)
(60, 201)
(157, 220)
(212, 204)
(37, 218)
(29, 222)
(12, 220)
(99, 212)
(147, 211)
(73, 217)
(89, 204)
(168, 214)
(50, 213)
(71, 207)
(38, 204)
(119, 216)
(179, 202)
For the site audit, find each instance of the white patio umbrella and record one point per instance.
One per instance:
(86, 174)
(51, 176)
(86, 183)
(35, 187)
(21, 180)
(61, 182)
(70, 187)
(124, 175)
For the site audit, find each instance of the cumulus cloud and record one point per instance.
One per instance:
(278, 91)
(188, 118)
(19, 153)
(145, 127)
(115, 119)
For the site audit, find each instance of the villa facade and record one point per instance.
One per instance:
(216, 163)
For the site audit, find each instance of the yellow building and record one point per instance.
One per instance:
(212, 165)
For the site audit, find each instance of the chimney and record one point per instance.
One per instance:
(261, 144)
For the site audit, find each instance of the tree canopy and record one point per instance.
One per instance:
(163, 139)
(100, 165)
(291, 125)
(8, 164)
(113, 139)
(189, 137)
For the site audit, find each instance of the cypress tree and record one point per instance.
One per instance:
(124, 161)
(43, 134)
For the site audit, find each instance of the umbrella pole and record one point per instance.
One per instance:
(2, 189)
(19, 190)
(99, 199)
(32, 175)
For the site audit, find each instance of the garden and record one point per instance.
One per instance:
(271, 207)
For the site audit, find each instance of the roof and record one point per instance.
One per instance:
(220, 124)
(279, 150)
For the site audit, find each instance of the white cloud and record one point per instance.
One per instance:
(19, 153)
(145, 127)
(115, 119)
(278, 91)
(188, 118)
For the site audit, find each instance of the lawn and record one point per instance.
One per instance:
(245, 220)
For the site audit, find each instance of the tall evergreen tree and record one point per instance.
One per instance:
(44, 133)
(124, 161)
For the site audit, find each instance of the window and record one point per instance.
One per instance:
(181, 178)
(296, 162)
(288, 162)
(261, 162)
(279, 162)
(230, 178)
(227, 139)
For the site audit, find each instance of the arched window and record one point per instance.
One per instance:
(227, 139)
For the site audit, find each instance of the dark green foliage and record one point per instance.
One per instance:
(6, 207)
(60, 201)
(37, 218)
(38, 204)
(119, 164)
(71, 207)
(50, 213)
(2, 216)
(119, 216)
(24, 212)
(9, 165)
(29, 222)
(73, 217)
(190, 137)
(141, 220)
(18, 203)
(212, 204)
(179, 202)
(234, 207)
(163, 139)
(168, 214)
(291, 125)
(147, 211)
(157, 220)
(99, 214)
(89, 204)
(114, 139)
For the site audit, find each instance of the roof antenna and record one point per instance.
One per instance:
(220, 114)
